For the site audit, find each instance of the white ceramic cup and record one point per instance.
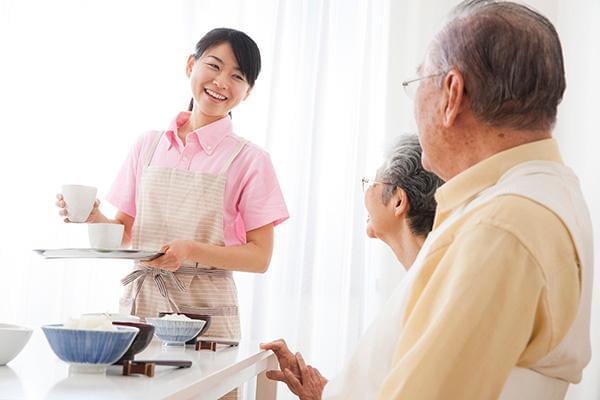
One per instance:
(79, 201)
(105, 236)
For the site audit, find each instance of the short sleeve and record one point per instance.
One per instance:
(122, 193)
(261, 200)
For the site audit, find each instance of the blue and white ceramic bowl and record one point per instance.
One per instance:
(176, 332)
(89, 350)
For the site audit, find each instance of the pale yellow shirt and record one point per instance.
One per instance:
(499, 289)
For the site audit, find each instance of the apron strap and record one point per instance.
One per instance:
(138, 276)
(242, 143)
(152, 150)
(188, 270)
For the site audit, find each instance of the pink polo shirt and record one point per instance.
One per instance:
(253, 197)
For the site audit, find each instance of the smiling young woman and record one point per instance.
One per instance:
(204, 196)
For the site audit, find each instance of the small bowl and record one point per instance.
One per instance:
(87, 350)
(202, 317)
(176, 332)
(12, 340)
(141, 341)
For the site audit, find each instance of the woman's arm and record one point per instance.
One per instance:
(254, 256)
(96, 216)
(127, 221)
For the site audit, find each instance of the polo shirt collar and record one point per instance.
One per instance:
(208, 136)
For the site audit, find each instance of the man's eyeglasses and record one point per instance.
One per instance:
(367, 182)
(411, 89)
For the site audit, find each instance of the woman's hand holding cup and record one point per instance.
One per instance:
(78, 203)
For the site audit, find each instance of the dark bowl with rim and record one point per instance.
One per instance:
(140, 342)
(203, 317)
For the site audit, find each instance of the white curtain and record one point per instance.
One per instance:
(80, 80)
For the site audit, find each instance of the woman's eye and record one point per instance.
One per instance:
(238, 77)
(213, 66)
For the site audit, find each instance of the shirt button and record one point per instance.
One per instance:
(209, 147)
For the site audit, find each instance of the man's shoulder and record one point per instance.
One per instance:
(537, 228)
(517, 214)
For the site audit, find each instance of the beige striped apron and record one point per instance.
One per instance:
(175, 204)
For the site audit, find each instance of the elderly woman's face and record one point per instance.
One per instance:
(380, 215)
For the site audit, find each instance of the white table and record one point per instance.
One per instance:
(36, 373)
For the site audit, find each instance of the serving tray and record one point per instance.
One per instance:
(128, 254)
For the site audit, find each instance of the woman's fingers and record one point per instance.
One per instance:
(60, 203)
(300, 360)
(275, 375)
(301, 366)
(292, 382)
(279, 347)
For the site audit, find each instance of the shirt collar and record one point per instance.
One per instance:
(208, 136)
(486, 173)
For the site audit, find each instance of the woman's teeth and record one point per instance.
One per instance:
(215, 95)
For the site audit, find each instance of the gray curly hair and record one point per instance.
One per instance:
(403, 169)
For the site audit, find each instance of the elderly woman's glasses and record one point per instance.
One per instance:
(367, 182)
(410, 88)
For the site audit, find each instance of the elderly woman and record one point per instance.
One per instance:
(400, 200)
(401, 206)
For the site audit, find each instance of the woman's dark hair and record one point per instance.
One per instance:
(244, 48)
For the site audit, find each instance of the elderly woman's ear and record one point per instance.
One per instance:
(400, 200)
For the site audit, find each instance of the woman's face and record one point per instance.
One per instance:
(381, 216)
(217, 83)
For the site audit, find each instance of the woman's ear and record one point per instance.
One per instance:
(190, 65)
(400, 200)
(248, 92)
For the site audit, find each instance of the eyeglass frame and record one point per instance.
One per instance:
(406, 84)
(368, 182)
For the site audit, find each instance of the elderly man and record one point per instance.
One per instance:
(497, 303)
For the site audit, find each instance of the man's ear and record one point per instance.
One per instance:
(400, 201)
(190, 65)
(454, 89)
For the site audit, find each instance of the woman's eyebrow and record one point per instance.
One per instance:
(221, 61)
(216, 58)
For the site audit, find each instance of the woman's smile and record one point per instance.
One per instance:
(215, 96)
